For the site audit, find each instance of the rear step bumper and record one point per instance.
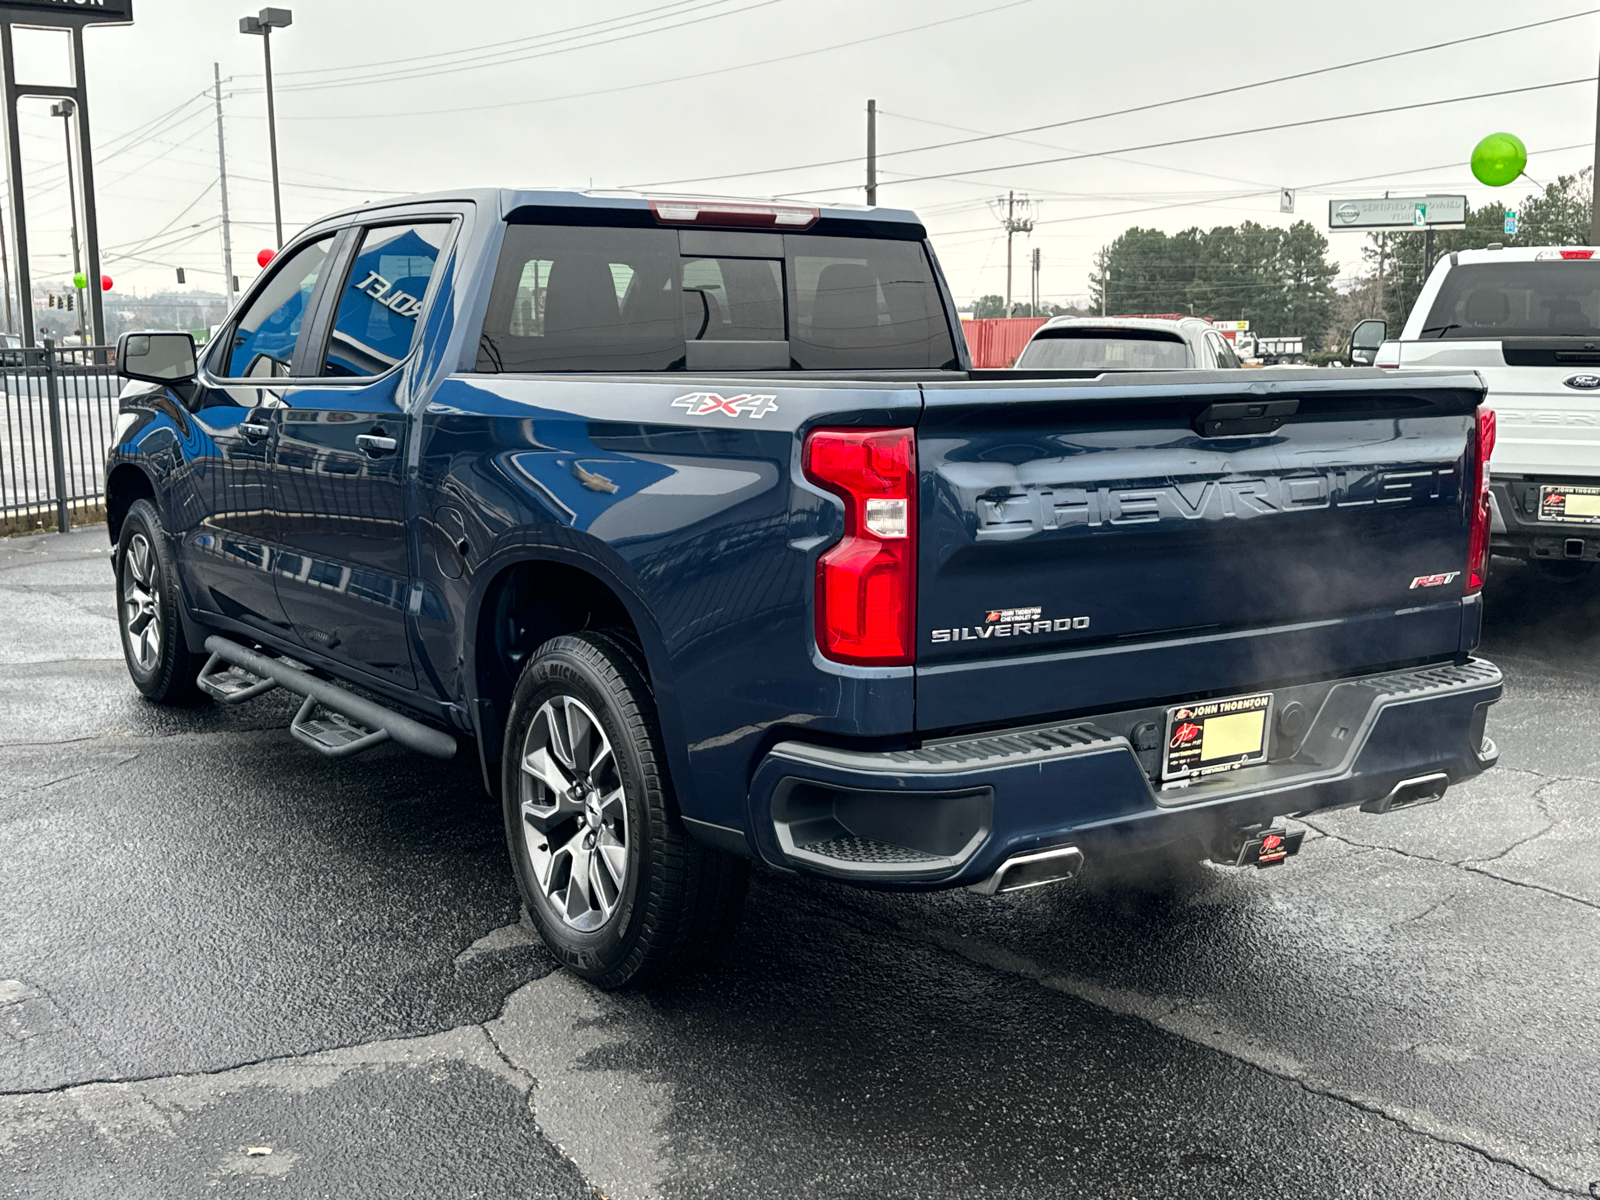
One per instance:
(957, 812)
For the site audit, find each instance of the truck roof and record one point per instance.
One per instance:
(508, 200)
(1519, 254)
(1164, 323)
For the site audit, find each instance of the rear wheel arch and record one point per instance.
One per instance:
(533, 599)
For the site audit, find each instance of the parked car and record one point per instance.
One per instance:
(1527, 319)
(690, 521)
(1095, 344)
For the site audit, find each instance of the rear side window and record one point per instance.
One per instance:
(1106, 350)
(584, 298)
(382, 298)
(1517, 299)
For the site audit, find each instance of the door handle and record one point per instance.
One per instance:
(254, 431)
(376, 443)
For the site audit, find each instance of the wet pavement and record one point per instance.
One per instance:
(230, 968)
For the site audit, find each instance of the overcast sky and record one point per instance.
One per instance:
(637, 92)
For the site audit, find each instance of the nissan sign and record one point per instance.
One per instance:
(1398, 212)
(67, 12)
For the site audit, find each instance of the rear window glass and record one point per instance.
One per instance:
(585, 298)
(1517, 299)
(1106, 350)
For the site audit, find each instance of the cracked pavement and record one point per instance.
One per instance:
(229, 967)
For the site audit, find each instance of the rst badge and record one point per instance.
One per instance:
(1427, 581)
(701, 404)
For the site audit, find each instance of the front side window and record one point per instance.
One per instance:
(380, 305)
(264, 339)
(588, 298)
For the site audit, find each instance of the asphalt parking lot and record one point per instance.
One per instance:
(213, 944)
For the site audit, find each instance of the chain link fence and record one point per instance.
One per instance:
(57, 417)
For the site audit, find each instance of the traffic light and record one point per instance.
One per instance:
(69, 301)
(181, 279)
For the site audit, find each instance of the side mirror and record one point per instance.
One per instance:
(157, 357)
(1369, 334)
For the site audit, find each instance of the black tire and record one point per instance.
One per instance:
(676, 900)
(148, 596)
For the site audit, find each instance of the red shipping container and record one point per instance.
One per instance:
(996, 341)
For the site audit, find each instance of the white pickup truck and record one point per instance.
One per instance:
(1528, 320)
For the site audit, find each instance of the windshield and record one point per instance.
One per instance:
(1517, 299)
(587, 298)
(1106, 350)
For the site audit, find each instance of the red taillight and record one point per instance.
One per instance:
(690, 211)
(1571, 254)
(1478, 538)
(867, 584)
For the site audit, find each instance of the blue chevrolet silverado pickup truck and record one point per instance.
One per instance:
(691, 519)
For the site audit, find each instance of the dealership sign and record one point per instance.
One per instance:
(1398, 212)
(66, 12)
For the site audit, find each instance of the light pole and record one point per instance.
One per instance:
(64, 109)
(263, 23)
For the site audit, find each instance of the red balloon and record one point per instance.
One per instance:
(105, 283)
(263, 257)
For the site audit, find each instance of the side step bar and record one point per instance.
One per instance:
(350, 724)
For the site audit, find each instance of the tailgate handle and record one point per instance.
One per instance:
(1238, 418)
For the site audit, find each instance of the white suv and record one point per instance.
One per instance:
(1528, 320)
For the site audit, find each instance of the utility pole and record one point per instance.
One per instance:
(5, 269)
(263, 23)
(1383, 246)
(1594, 180)
(64, 109)
(1013, 226)
(1038, 295)
(222, 174)
(872, 153)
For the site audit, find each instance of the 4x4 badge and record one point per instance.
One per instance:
(701, 403)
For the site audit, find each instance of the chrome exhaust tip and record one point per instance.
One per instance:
(1033, 869)
(1420, 789)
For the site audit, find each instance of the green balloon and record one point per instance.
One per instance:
(1499, 159)
(80, 281)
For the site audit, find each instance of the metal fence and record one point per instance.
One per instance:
(56, 420)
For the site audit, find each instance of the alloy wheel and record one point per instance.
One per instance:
(141, 603)
(574, 813)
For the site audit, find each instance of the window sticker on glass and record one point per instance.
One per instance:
(382, 300)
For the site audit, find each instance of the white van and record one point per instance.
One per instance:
(1528, 320)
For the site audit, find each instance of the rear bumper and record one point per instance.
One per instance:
(952, 812)
(1518, 532)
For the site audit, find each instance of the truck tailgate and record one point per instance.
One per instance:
(1094, 545)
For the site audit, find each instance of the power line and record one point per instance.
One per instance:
(1212, 137)
(1251, 195)
(1013, 133)
(521, 56)
(493, 46)
(695, 75)
(1050, 146)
